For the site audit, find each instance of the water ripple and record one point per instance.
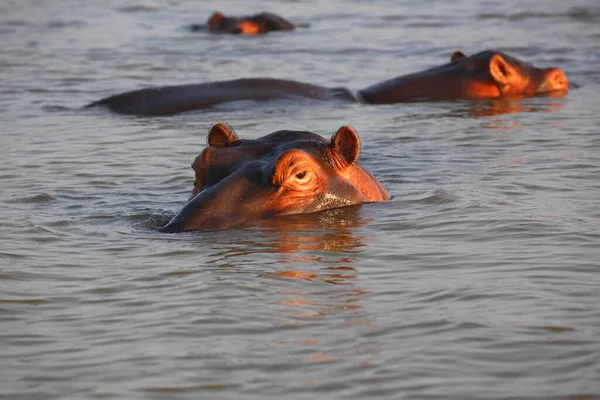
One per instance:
(478, 280)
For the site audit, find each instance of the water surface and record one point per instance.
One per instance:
(480, 279)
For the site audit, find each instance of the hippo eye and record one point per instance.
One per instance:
(301, 175)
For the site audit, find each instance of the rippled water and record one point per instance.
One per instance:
(480, 279)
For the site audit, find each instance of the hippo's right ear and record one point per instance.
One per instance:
(345, 146)
(457, 55)
(221, 135)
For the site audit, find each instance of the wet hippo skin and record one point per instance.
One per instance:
(286, 172)
(486, 75)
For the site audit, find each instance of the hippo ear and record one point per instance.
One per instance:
(345, 146)
(502, 71)
(215, 20)
(221, 135)
(457, 55)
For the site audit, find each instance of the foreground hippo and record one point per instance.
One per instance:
(286, 172)
(486, 75)
(250, 25)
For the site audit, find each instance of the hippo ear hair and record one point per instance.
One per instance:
(457, 55)
(221, 135)
(345, 145)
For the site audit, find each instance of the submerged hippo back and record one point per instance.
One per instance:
(168, 100)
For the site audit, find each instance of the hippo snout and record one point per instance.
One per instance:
(555, 80)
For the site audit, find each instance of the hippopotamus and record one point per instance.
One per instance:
(486, 75)
(249, 25)
(284, 173)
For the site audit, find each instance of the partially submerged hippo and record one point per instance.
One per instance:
(283, 173)
(248, 25)
(486, 75)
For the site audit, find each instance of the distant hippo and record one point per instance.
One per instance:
(249, 25)
(286, 172)
(486, 75)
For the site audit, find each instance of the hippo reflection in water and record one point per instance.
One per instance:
(286, 172)
(486, 75)
(248, 25)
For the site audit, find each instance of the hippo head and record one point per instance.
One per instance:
(485, 75)
(283, 173)
(252, 25)
(500, 75)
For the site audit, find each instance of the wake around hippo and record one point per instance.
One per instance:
(248, 25)
(286, 172)
(486, 75)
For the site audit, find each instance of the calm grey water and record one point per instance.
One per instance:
(480, 279)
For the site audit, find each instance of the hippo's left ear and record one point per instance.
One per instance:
(503, 72)
(457, 55)
(215, 20)
(221, 135)
(345, 146)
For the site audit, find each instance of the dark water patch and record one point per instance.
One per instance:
(410, 328)
(183, 389)
(438, 295)
(24, 301)
(174, 253)
(553, 329)
(59, 24)
(179, 179)
(180, 273)
(429, 25)
(43, 90)
(44, 378)
(578, 14)
(101, 217)
(102, 184)
(344, 51)
(158, 68)
(77, 198)
(438, 197)
(17, 22)
(397, 17)
(27, 340)
(138, 8)
(196, 28)
(45, 235)
(42, 198)
(149, 220)
(118, 287)
(76, 82)
(585, 14)
(60, 223)
(53, 108)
